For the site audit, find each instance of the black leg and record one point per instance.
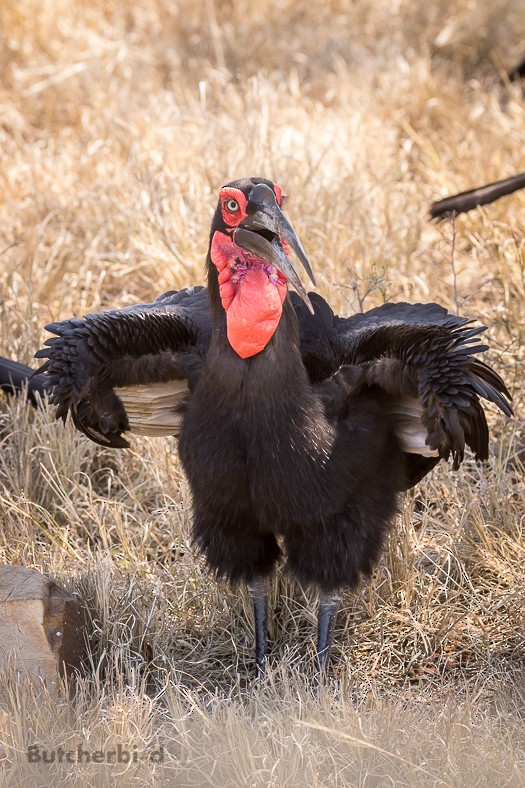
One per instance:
(258, 590)
(328, 607)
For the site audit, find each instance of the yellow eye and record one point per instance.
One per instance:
(232, 206)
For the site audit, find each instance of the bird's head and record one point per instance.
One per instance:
(250, 247)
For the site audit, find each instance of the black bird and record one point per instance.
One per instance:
(298, 429)
(472, 198)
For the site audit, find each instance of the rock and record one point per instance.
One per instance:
(42, 628)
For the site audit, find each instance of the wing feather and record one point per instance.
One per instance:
(410, 350)
(155, 410)
(98, 366)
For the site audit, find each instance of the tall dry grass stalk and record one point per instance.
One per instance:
(118, 122)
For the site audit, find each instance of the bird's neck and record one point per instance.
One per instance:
(281, 357)
(251, 293)
(280, 353)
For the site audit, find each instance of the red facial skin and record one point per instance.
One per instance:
(252, 290)
(233, 218)
(278, 195)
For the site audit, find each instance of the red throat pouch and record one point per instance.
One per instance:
(254, 313)
(252, 294)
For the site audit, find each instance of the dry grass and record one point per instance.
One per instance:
(118, 122)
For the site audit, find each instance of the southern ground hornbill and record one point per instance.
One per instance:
(297, 429)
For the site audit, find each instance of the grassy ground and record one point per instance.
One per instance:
(118, 123)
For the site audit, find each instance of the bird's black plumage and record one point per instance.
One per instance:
(305, 445)
(89, 357)
(472, 198)
(15, 377)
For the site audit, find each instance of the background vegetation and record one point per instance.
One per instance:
(118, 123)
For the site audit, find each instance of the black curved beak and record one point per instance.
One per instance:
(265, 215)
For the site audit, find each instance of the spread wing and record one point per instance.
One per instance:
(423, 359)
(128, 369)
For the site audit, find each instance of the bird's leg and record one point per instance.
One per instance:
(258, 590)
(329, 603)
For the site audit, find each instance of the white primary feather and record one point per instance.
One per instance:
(409, 427)
(156, 409)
